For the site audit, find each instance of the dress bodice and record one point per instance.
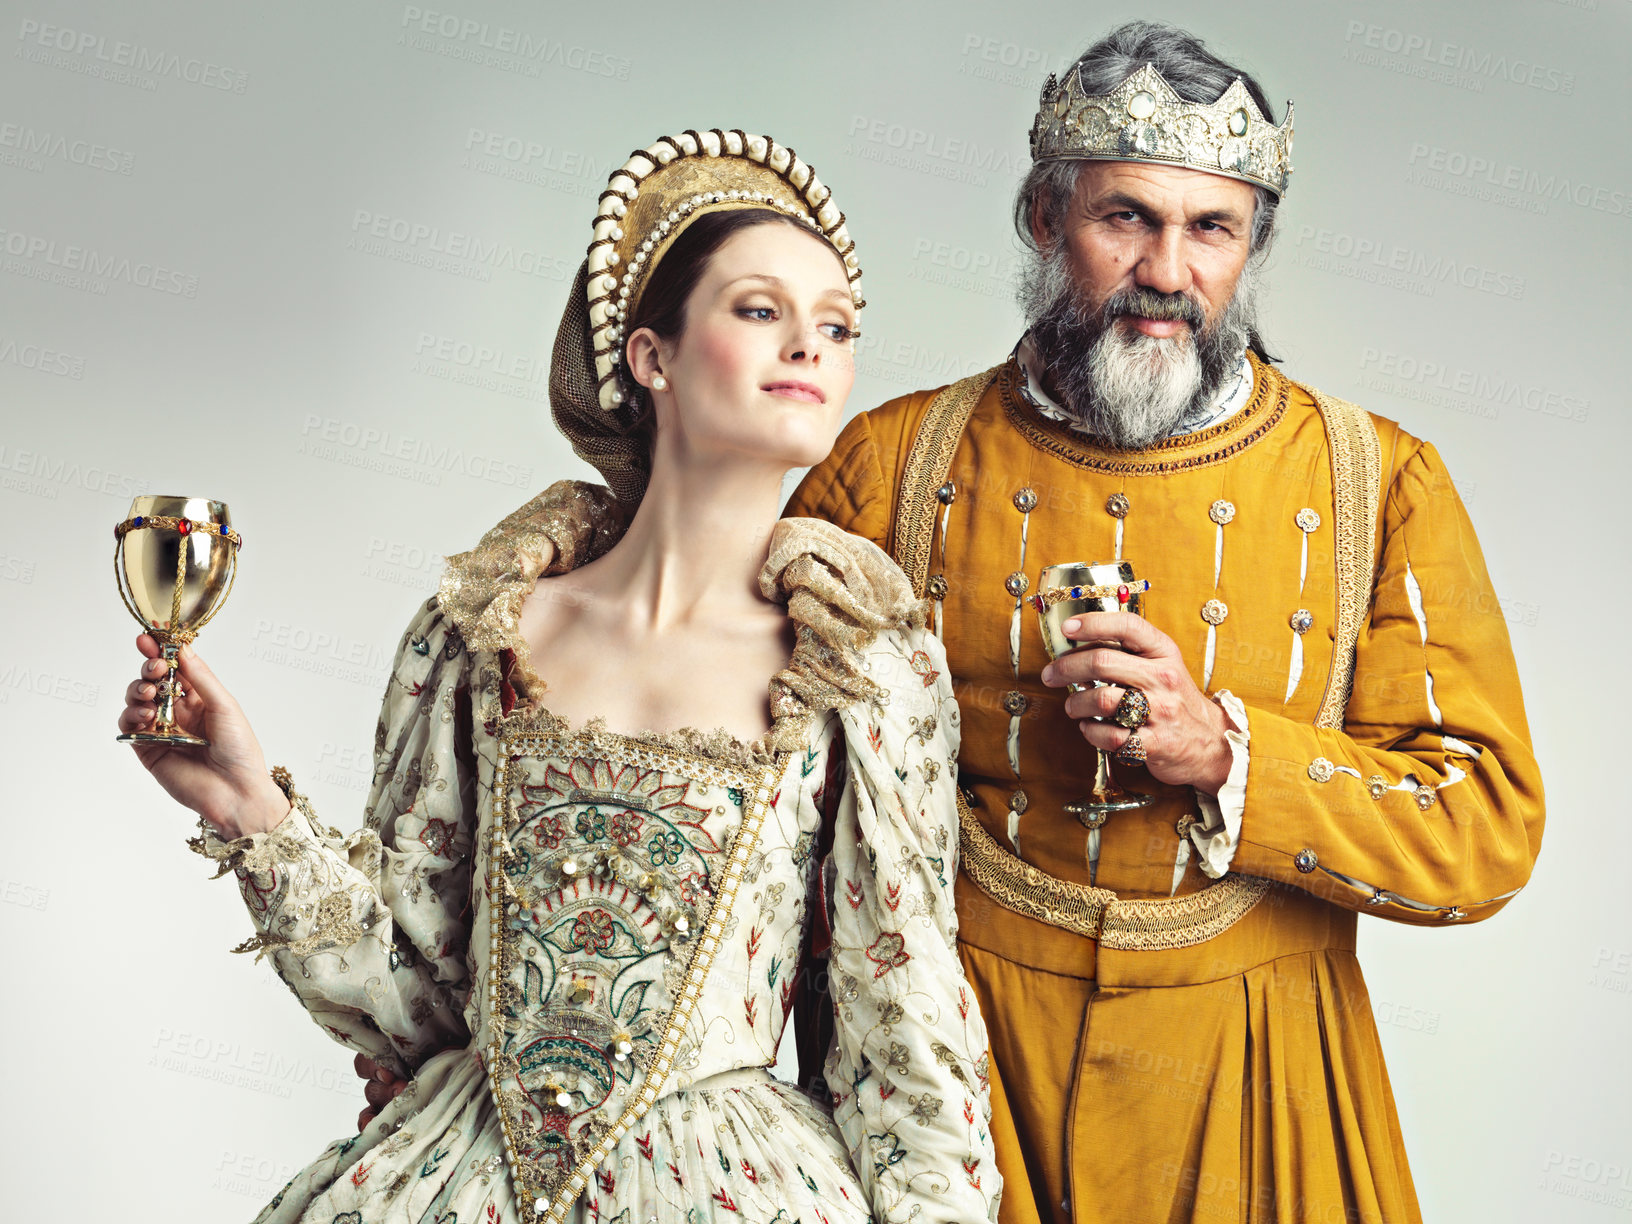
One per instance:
(583, 946)
(644, 907)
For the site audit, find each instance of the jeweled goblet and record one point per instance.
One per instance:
(174, 560)
(1071, 590)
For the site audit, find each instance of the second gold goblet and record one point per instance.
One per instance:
(1071, 590)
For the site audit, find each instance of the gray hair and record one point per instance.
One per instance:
(1195, 73)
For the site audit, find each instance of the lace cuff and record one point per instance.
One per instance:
(1218, 832)
(233, 855)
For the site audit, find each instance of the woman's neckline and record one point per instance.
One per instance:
(838, 589)
(688, 739)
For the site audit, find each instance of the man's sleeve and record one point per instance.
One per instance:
(848, 488)
(1427, 806)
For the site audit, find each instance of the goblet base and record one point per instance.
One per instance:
(179, 739)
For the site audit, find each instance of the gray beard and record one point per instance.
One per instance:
(1131, 391)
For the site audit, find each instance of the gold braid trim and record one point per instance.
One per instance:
(1097, 913)
(1351, 436)
(928, 462)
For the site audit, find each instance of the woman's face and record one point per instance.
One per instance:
(766, 360)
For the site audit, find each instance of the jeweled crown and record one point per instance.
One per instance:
(1144, 120)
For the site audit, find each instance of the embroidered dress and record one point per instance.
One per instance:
(583, 946)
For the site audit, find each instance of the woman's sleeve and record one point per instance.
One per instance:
(371, 931)
(908, 1068)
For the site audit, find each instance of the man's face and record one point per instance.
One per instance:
(1163, 228)
(1139, 300)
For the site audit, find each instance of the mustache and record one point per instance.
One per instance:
(1146, 303)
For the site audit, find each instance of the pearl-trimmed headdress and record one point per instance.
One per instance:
(662, 189)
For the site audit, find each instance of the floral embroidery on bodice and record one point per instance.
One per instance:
(583, 946)
(644, 907)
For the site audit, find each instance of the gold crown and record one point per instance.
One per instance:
(1144, 120)
(662, 189)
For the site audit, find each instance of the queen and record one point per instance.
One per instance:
(573, 922)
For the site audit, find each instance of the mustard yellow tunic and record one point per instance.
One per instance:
(1238, 1075)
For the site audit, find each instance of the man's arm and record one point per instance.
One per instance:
(1427, 806)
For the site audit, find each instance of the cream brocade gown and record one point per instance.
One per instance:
(583, 946)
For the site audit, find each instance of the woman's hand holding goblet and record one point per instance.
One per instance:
(226, 782)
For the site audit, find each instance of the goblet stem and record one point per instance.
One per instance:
(165, 729)
(1106, 793)
(164, 723)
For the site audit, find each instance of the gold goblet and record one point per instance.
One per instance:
(1071, 590)
(174, 560)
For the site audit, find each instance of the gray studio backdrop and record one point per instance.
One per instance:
(307, 258)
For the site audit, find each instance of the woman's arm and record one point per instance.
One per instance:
(908, 1067)
(369, 931)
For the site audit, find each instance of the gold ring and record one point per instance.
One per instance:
(1133, 711)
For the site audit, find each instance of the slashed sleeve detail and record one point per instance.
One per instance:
(908, 1067)
(371, 931)
(1427, 805)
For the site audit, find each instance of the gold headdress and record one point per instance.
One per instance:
(1144, 120)
(646, 205)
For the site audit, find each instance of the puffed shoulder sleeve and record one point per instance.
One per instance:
(371, 930)
(908, 1067)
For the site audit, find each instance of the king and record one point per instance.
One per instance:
(1180, 1029)
(1320, 701)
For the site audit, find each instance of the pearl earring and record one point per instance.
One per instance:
(659, 383)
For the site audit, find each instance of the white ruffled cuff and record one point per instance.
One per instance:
(1218, 832)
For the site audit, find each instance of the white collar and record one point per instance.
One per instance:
(1233, 393)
